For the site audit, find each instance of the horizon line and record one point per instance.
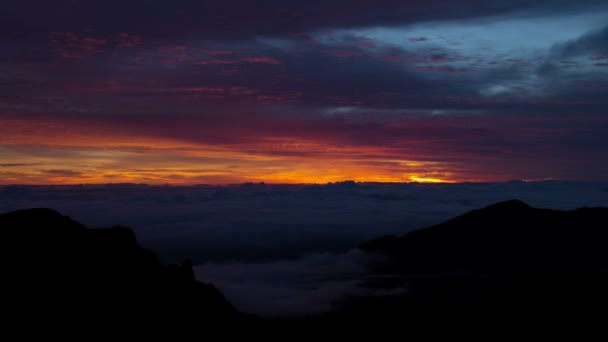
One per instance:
(300, 184)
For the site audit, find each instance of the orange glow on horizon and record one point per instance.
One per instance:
(419, 179)
(87, 154)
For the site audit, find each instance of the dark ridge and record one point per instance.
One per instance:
(510, 205)
(56, 269)
(508, 257)
(509, 235)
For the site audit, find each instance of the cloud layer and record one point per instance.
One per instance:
(255, 222)
(283, 250)
(305, 286)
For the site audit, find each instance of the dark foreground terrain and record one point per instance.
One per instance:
(506, 260)
(55, 269)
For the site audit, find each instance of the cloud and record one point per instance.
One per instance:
(271, 222)
(70, 45)
(326, 144)
(126, 40)
(309, 285)
(274, 17)
(215, 61)
(343, 53)
(261, 59)
(18, 164)
(331, 96)
(63, 173)
(418, 40)
(593, 45)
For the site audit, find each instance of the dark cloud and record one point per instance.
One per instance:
(239, 18)
(62, 173)
(18, 164)
(70, 45)
(593, 45)
(419, 40)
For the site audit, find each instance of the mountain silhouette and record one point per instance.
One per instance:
(508, 257)
(505, 236)
(55, 269)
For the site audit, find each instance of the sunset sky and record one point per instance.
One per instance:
(218, 92)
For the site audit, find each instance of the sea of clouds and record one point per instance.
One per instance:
(283, 249)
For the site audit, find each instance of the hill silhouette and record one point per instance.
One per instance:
(55, 269)
(508, 257)
(505, 236)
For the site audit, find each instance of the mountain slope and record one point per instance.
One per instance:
(56, 269)
(505, 236)
(505, 258)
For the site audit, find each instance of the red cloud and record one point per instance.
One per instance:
(214, 61)
(261, 59)
(279, 99)
(176, 54)
(173, 48)
(70, 45)
(200, 56)
(217, 52)
(126, 40)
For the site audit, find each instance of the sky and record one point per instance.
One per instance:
(218, 92)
